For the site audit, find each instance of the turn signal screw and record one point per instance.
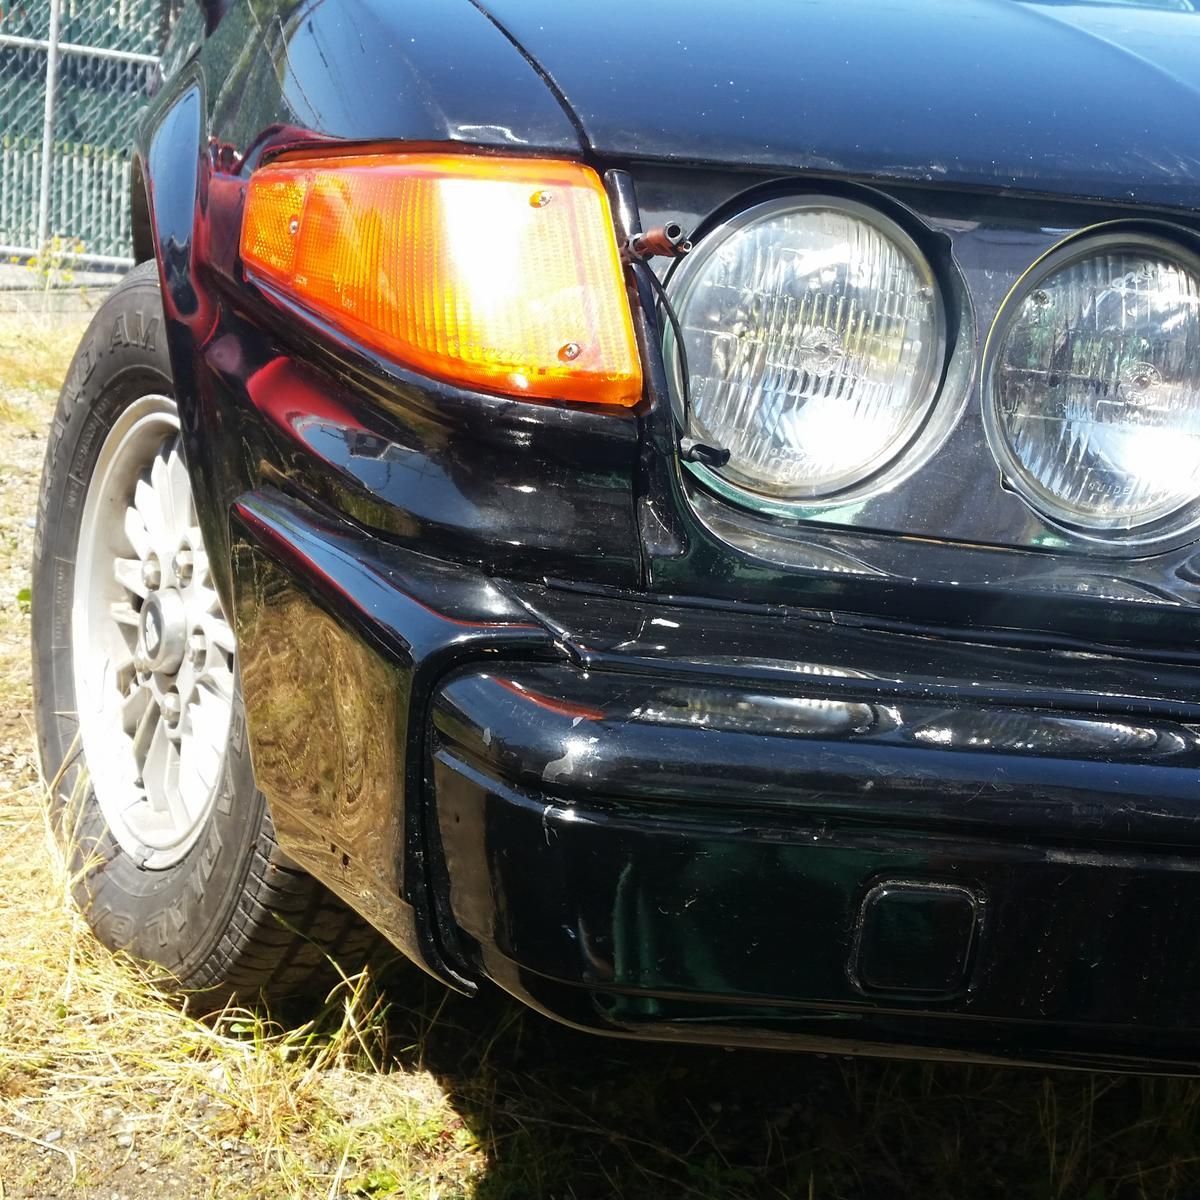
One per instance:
(540, 199)
(571, 350)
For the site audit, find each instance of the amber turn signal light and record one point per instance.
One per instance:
(496, 273)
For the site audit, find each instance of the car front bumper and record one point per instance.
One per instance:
(709, 822)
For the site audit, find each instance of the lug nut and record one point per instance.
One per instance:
(151, 573)
(197, 647)
(172, 706)
(182, 566)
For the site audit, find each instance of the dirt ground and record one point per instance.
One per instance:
(109, 1091)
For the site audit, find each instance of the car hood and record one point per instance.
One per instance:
(1092, 100)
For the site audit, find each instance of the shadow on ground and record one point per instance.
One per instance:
(569, 1116)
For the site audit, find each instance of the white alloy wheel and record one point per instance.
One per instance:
(153, 651)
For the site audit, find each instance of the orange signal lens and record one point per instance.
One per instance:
(495, 273)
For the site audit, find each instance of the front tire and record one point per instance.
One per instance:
(140, 722)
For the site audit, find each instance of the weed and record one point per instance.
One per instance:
(34, 355)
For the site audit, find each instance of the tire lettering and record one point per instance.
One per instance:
(156, 928)
(205, 865)
(85, 364)
(225, 796)
(237, 729)
(120, 928)
(168, 921)
(144, 335)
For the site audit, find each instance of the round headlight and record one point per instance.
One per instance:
(815, 341)
(1094, 410)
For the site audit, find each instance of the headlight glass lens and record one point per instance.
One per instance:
(1095, 396)
(815, 341)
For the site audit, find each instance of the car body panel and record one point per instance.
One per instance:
(365, 70)
(977, 94)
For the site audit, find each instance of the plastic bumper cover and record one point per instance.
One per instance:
(676, 821)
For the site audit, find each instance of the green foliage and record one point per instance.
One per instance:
(376, 1184)
(54, 266)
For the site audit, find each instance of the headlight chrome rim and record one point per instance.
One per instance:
(1174, 527)
(919, 437)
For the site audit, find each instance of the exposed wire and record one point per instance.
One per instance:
(690, 449)
(662, 306)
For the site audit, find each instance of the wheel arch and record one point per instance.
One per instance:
(139, 214)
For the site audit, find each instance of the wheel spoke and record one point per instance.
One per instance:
(148, 504)
(138, 535)
(199, 768)
(216, 678)
(128, 573)
(120, 659)
(176, 801)
(185, 680)
(209, 714)
(214, 700)
(133, 709)
(200, 575)
(219, 634)
(161, 778)
(124, 613)
(180, 489)
(164, 498)
(144, 731)
(154, 769)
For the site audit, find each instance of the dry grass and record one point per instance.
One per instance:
(104, 1081)
(34, 353)
(109, 1089)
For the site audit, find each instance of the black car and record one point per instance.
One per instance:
(687, 513)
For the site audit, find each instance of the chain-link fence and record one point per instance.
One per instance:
(73, 75)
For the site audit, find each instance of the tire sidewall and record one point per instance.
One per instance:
(173, 917)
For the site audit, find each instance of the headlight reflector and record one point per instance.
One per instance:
(815, 341)
(1094, 411)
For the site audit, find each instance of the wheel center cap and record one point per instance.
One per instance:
(162, 630)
